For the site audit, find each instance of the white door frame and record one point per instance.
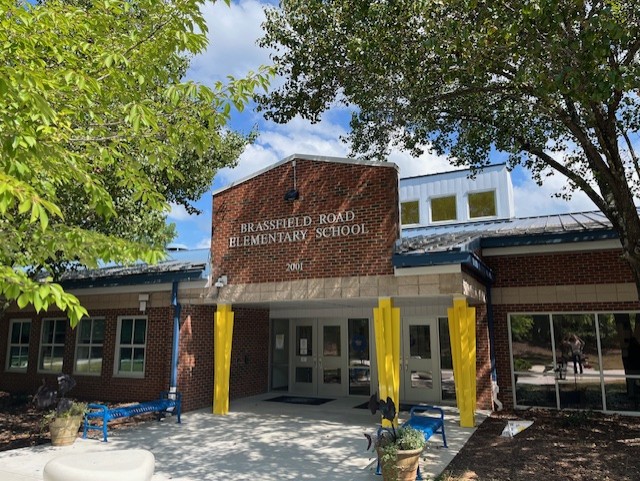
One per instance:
(420, 375)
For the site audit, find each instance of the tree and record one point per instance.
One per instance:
(98, 133)
(552, 83)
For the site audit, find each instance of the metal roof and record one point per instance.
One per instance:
(179, 265)
(518, 231)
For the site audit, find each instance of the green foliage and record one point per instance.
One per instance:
(553, 84)
(98, 133)
(75, 409)
(407, 438)
(521, 328)
(521, 365)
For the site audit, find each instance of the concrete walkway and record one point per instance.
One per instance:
(257, 440)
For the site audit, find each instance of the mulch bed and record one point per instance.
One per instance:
(20, 423)
(559, 446)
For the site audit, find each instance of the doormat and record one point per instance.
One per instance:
(308, 401)
(404, 407)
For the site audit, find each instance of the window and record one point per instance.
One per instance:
(52, 345)
(581, 360)
(482, 204)
(18, 352)
(131, 348)
(410, 212)
(89, 347)
(443, 209)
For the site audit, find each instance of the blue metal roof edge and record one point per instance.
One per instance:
(547, 239)
(465, 258)
(194, 273)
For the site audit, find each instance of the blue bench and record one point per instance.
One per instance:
(421, 419)
(99, 415)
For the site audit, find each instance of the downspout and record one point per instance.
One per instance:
(176, 337)
(495, 389)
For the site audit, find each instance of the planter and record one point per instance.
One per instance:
(405, 467)
(64, 431)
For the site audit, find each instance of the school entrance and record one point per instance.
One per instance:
(336, 358)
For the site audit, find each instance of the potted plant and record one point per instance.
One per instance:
(65, 419)
(398, 449)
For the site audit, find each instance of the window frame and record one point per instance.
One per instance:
(455, 206)
(7, 365)
(417, 202)
(53, 344)
(118, 345)
(495, 204)
(90, 345)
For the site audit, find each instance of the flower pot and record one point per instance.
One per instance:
(404, 468)
(64, 431)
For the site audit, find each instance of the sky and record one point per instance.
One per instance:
(233, 50)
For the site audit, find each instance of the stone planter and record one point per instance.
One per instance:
(64, 430)
(405, 467)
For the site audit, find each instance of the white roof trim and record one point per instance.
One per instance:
(317, 158)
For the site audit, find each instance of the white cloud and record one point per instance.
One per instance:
(204, 243)
(178, 213)
(233, 32)
(533, 200)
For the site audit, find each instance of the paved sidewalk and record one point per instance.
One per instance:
(257, 440)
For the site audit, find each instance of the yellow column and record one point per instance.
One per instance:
(462, 332)
(386, 320)
(222, 337)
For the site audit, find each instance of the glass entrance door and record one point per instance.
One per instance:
(420, 366)
(320, 352)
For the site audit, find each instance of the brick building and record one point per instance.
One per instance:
(304, 250)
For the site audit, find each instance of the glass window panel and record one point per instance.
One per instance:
(420, 342)
(139, 332)
(24, 335)
(584, 394)
(126, 331)
(443, 209)
(331, 341)
(304, 375)
(125, 359)
(138, 360)
(359, 362)
(332, 376)
(15, 332)
(47, 331)
(482, 204)
(45, 358)
(60, 331)
(446, 361)
(622, 394)
(96, 360)
(422, 379)
(410, 212)
(576, 344)
(304, 341)
(536, 389)
(98, 330)
(82, 359)
(84, 333)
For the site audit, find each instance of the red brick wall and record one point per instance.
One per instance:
(195, 358)
(106, 387)
(590, 267)
(249, 353)
(601, 267)
(369, 192)
(483, 360)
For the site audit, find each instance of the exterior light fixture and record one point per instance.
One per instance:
(221, 282)
(143, 299)
(293, 194)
